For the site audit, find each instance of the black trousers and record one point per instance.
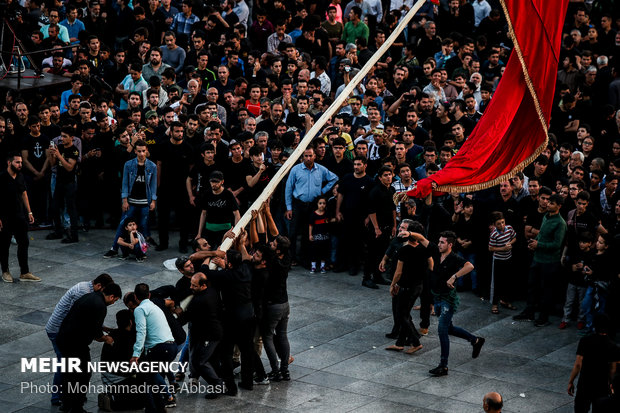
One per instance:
(405, 299)
(65, 196)
(164, 352)
(299, 226)
(376, 250)
(167, 202)
(541, 284)
(18, 228)
(353, 236)
(73, 395)
(38, 196)
(90, 199)
(202, 357)
(426, 301)
(241, 333)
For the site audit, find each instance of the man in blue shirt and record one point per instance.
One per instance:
(154, 342)
(305, 182)
(73, 24)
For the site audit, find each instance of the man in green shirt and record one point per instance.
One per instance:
(355, 27)
(547, 247)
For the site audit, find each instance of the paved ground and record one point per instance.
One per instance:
(337, 338)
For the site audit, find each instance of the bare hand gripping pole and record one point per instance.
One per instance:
(334, 107)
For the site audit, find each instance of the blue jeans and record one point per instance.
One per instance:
(141, 215)
(57, 377)
(471, 257)
(593, 303)
(446, 329)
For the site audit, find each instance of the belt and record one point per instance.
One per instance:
(302, 202)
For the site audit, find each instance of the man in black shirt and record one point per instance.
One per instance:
(81, 326)
(352, 194)
(220, 211)
(381, 227)
(173, 165)
(65, 157)
(596, 356)
(204, 313)
(15, 215)
(412, 261)
(448, 267)
(36, 165)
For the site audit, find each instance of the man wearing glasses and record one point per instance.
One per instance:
(54, 18)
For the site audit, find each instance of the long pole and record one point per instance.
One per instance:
(335, 106)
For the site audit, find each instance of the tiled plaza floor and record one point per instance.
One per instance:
(336, 333)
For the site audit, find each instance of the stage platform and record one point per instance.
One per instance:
(28, 81)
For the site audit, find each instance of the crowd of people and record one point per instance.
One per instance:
(187, 110)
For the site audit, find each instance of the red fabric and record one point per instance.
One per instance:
(510, 131)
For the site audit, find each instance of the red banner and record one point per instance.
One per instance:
(513, 130)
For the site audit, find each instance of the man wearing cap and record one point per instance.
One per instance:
(220, 211)
(138, 194)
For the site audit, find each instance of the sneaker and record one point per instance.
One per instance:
(261, 381)
(140, 259)
(581, 325)
(286, 376)
(523, 317)
(423, 331)
(439, 371)
(171, 402)
(323, 270)
(104, 401)
(563, 325)
(29, 277)
(110, 254)
(312, 270)
(370, 284)
(7, 277)
(541, 322)
(274, 376)
(477, 347)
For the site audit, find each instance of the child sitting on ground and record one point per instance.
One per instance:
(131, 241)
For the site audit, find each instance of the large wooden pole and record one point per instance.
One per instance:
(333, 108)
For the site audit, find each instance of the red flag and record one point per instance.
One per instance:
(513, 130)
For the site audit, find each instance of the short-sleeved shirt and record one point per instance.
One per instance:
(219, 207)
(36, 146)
(62, 175)
(200, 176)
(12, 206)
(415, 265)
(442, 271)
(380, 203)
(354, 191)
(598, 352)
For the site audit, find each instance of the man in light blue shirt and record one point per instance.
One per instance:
(63, 33)
(133, 82)
(154, 342)
(73, 24)
(305, 182)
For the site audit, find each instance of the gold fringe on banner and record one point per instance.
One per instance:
(521, 166)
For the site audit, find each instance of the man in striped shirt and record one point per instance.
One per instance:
(60, 312)
(500, 244)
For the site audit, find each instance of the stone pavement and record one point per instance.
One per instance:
(336, 333)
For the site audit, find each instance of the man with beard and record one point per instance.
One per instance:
(275, 117)
(155, 66)
(15, 215)
(220, 211)
(173, 164)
